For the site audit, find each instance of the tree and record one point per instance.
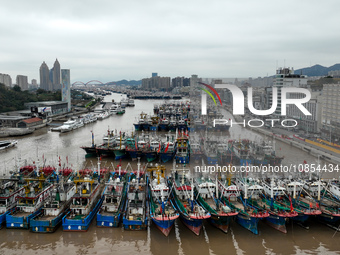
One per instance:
(17, 88)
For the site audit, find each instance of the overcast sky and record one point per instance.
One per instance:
(110, 40)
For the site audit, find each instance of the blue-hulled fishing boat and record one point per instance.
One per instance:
(111, 211)
(208, 198)
(182, 148)
(191, 213)
(10, 190)
(30, 203)
(248, 217)
(135, 217)
(162, 211)
(84, 206)
(54, 209)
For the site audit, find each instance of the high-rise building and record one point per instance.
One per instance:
(6, 79)
(45, 82)
(154, 74)
(66, 87)
(156, 82)
(34, 83)
(56, 76)
(22, 82)
(285, 77)
(330, 112)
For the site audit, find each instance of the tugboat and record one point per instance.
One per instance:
(85, 204)
(54, 209)
(111, 211)
(30, 204)
(162, 211)
(10, 190)
(135, 217)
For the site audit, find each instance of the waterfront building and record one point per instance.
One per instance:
(30, 123)
(50, 108)
(66, 88)
(10, 121)
(6, 79)
(309, 123)
(22, 82)
(330, 119)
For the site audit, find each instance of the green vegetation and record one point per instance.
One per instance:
(318, 84)
(13, 99)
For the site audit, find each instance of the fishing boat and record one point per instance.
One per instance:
(85, 204)
(221, 125)
(326, 201)
(37, 190)
(136, 151)
(111, 211)
(192, 214)
(303, 206)
(182, 155)
(164, 124)
(154, 123)
(55, 208)
(141, 123)
(10, 190)
(209, 199)
(135, 217)
(167, 152)
(279, 214)
(196, 149)
(7, 144)
(162, 211)
(152, 149)
(210, 152)
(248, 217)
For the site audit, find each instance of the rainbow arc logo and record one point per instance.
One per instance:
(204, 97)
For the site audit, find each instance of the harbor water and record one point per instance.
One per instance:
(47, 147)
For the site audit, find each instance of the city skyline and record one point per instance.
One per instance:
(111, 41)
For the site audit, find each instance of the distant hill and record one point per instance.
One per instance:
(126, 82)
(317, 70)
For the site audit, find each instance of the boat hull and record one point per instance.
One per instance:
(164, 225)
(107, 221)
(220, 222)
(195, 225)
(250, 223)
(277, 222)
(81, 225)
(135, 224)
(21, 222)
(46, 226)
